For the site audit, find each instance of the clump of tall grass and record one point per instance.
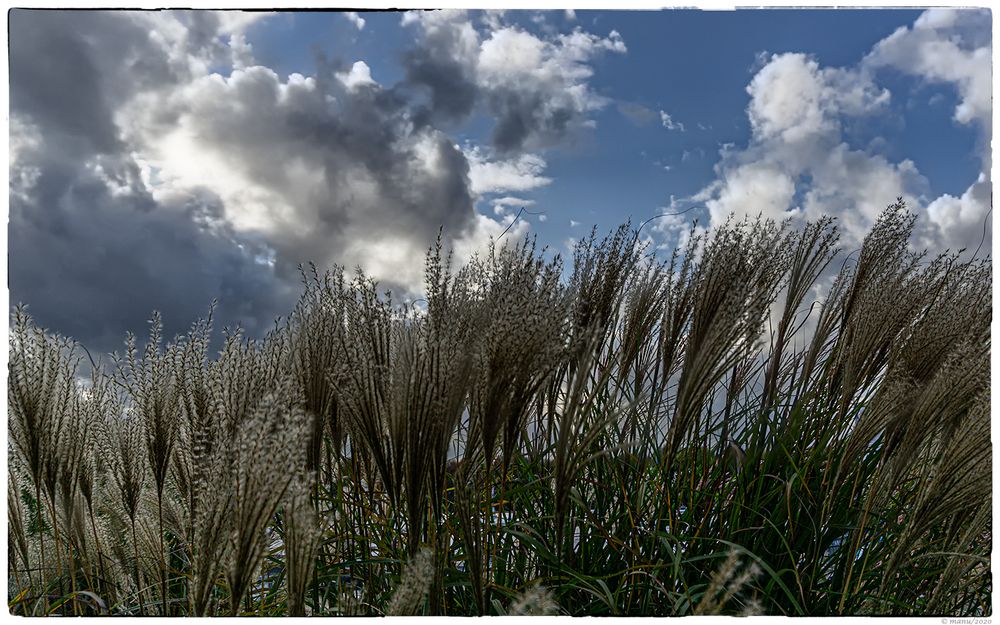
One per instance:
(530, 439)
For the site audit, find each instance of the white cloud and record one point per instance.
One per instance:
(388, 258)
(856, 187)
(238, 22)
(753, 188)
(493, 19)
(391, 259)
(952, 47)
(792, 99)
(359, 75)
(511, 58)
(242, 52)
(798, 111)
(785, 99)
(354, 18)
(945, 46)
(502, 206)
(675, 226)
(522, 173)
(285, 196)
(508, 54)
(959, 221)
(669, 123)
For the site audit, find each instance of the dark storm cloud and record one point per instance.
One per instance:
(90, 251)
(73, 68)
(529, 118)
(94, 248)
(100, 257)
(140, 180)
(437, 67)
(59, 77)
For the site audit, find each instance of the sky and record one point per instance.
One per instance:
(163, 159)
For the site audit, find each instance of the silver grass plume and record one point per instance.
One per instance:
(302, 539)
(316, 341)
(742, 268)
(521, 345)
(152, 385)
(725, 584)
(534, 601)
(267, 453)
(413, 585)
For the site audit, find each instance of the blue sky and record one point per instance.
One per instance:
(207, 154)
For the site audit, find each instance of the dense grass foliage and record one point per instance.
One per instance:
(634, 436)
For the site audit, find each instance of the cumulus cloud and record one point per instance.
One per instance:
(329, 168)
(793, 100)
(360, 75)
(503, 206)
(756, 187)
(796, 150)
(242, 52)
(945, 46)
(959, 221)
(536, 88)
(521, 173)
(181, 170)
(93, 252)
(477, 240)
(952, 47)
(354, 18)
(799, 161)
(443, 65)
